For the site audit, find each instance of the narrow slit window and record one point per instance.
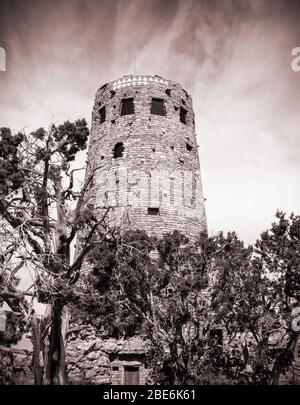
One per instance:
(118, 150)
(183, 113)
(102, 114)
(127, 106)
(157, 106)
(153, 211)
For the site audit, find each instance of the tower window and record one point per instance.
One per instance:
(127, 106)
(157, 106)
(118, 150)
(153, 211)
(102, 114)
(189, 147)
(183, 113)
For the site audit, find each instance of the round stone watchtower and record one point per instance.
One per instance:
(143, 146)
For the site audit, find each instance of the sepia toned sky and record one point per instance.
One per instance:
(233, 57)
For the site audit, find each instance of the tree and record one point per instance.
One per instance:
(180, 295)
(43, 211)
(153, 288)
(242, 307)
(278, 255)
(15, 327)
(252, 299)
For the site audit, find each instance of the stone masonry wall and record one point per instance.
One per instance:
(91, 360)
(160, 164)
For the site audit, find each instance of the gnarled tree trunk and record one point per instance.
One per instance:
(55, 354)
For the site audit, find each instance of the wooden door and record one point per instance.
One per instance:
(131, 375)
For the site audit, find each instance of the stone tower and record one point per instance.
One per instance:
(143, 144)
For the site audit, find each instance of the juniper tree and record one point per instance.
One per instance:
(176, 293)
(278, 255)
(253, 295)
(43, 210)
(140, 285)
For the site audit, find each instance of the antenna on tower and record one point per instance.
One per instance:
(134, 64)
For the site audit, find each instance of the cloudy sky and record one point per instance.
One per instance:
(233, 57)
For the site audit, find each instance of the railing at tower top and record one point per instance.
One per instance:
(138, 81)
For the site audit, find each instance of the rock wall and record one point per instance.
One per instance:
(155, 182)
(95, 361)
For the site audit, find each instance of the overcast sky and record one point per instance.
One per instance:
(233, 57)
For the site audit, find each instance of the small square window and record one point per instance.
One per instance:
(153, 211)
(127, 106)
(183, 113)
(102, 114)
(157, 106)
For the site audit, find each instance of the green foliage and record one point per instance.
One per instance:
(142, 285)
(15, 328)
(11, 174)
(278, 250)
(67, 139)
(39, 222)
(176, 293)
(118, 271)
